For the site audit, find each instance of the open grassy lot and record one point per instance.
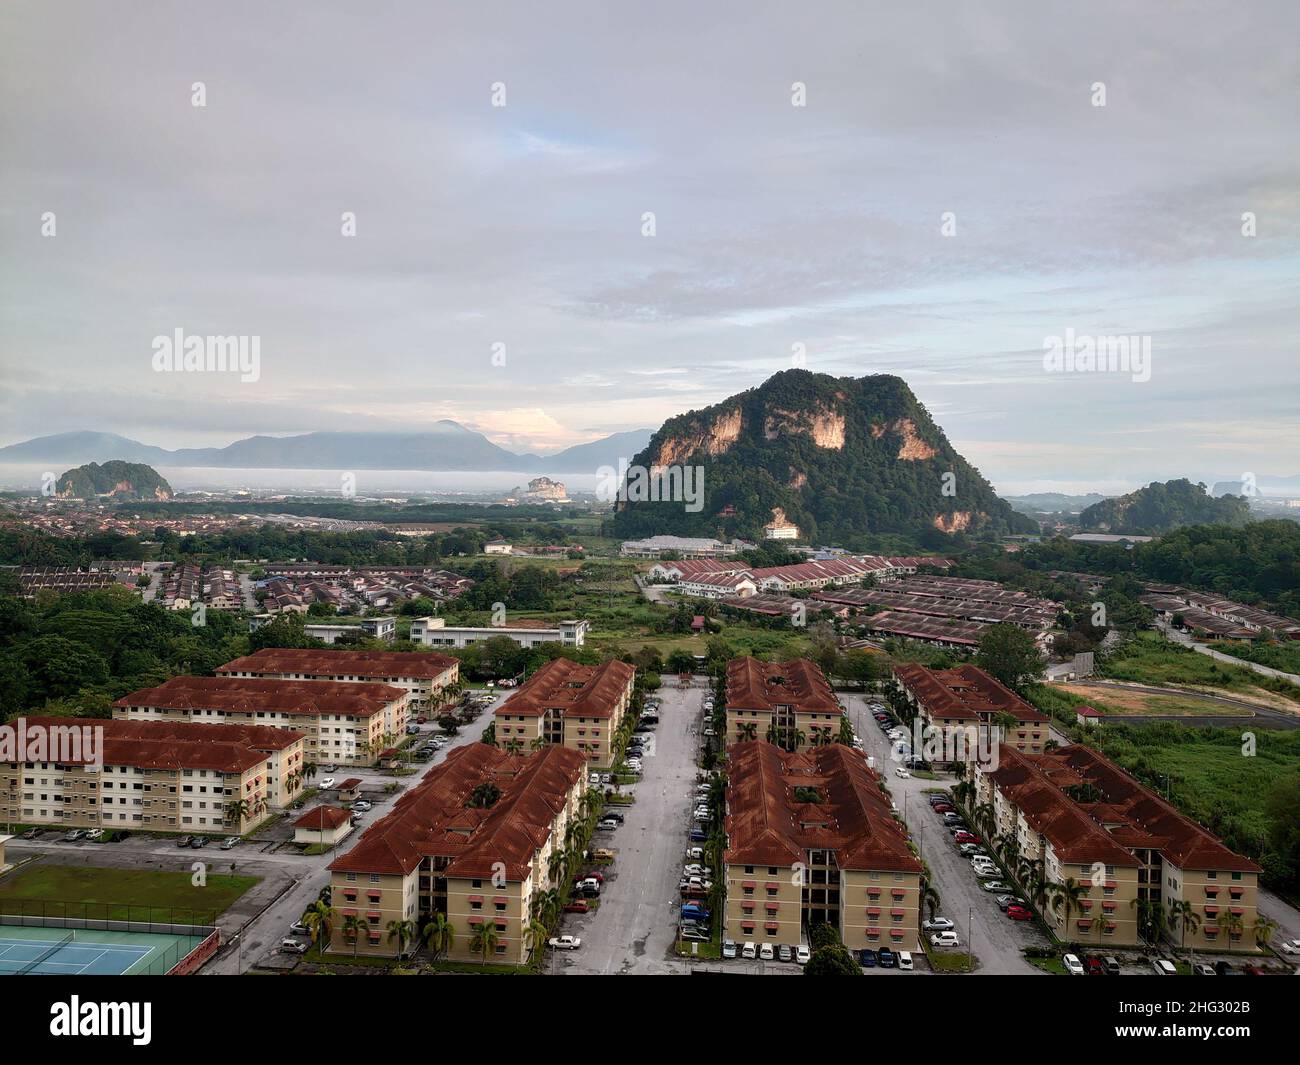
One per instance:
(1148, 658)
(1120, 703)
(1285, 657)
(117, 889)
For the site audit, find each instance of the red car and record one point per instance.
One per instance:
(422, 720)
(941, 808)
(1093, 965)
(577, 906)
(965, 837)
(593, 875)
(1019, 913)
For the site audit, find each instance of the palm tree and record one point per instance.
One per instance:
(930, 897)
(546, 906)
(1183, 917)
(319, 919)
(515, 746)
(403, 932)
(484, 940)
(1263, 929)
(1232, 926)
(309, 770)
(237, 810)
(1066, 898)
(1150, 917)
(983, 815)
(747, 730)
(353, 926)
(536, 933)
(439, 934)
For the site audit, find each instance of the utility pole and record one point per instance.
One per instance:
(970, 947)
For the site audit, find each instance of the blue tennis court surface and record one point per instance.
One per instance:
(91, 952)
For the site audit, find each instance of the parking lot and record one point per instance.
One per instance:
(634, 929)
(998, 940)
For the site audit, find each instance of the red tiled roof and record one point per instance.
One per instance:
(767, 826)
(423, 665)
(755, 685)
(433, 820)
(248, 695)
(963, 693)
(572, 689)
(172, 744)
(324, 818)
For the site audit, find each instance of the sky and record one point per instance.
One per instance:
(933, 190)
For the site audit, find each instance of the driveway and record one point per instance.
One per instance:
(998, 941)
(634, 928)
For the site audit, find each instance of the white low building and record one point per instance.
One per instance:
(435, 632)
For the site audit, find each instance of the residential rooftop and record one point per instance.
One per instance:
(260, 695)
(422, 665)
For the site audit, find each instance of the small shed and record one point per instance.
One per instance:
(1086, 715)
(326, 826)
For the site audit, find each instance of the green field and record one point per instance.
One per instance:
(1148, 658)
(117, 891)
(1285, 657)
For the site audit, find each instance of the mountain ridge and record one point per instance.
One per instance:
(447, 447)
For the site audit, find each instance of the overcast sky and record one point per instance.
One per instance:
(775, 225)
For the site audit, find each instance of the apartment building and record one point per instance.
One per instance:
(574, 706)
(435, 632)
(475, 854)
(160, 776)
(964, 706)
(423, 674)
(343, 722)
(787, 703)
(811, 839)
(1088, 821)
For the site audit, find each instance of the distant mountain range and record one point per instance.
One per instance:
(446, 447)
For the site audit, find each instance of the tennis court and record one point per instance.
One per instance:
(35, 951)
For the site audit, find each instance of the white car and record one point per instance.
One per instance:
(938, 924)
(695, 853)
(361, 805)
(327, 782)
(328, 768)
(1291, 946)
(1073, 965)
(230, 843)
(294, 946)
(594, 780)
(565, 942)
(1163, 967)
(802, 954)
(905, 960)
(95, 833)
(749, 950)
(901, 772)
(767, 952)
(944, 939)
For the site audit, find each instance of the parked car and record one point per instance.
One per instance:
(905, 960)
(944, 939)
(198, 842)
(94, 834)
(996, 886)
(602, 854)
(695, 933)
(749, 951)
(594, 874)
(1163, 967)
(802, 954)
(901, 772)
(969, 850)
(230, 843)
(1093, 966)
(1004, 901)
(362, 805)
(589, 886)
(327, 782)
(1201, 969)
(1291, 946)
(1073, 965)
(594, 780)
(74, 836)
(607, 824)
(785, 952)
(887, 958)
(294, 946)
(767, 952)
(578, 906)
(564, 942)
(695, 852)
(299, 929)
(938, 924)
(331, 768)
(963, 835)
(183, 841)
(31, 833)
(867, 958)
(698, 835)
(730, 948)
(1019, 913)
(1111, 965)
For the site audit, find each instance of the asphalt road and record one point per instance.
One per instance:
(634, 928)
(998, 940)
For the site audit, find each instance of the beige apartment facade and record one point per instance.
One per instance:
(425, 675)
(346, 724)
(481, 868)
(571, 705)
(153, 776)
(790, 704)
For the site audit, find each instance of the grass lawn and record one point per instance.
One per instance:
(949, 963)
(1148, 658)
(117, 889)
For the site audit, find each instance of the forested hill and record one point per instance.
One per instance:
(838, 456)
(1158, 508)
(121, 480)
